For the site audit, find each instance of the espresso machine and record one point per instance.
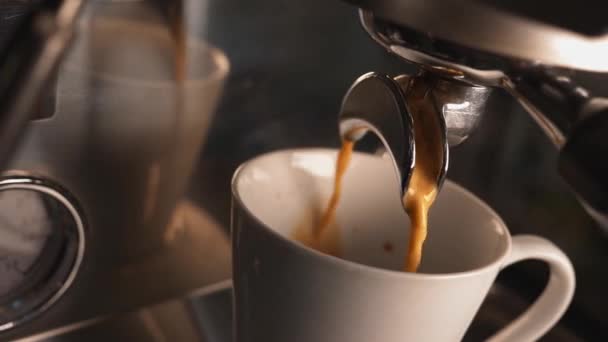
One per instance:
(477, 56)
(464, 58)
(99, 146)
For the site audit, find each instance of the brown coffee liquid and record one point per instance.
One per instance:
(422, 189)
(329, 214)
(175, 13)
(324, 235)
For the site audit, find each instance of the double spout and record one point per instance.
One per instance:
(388, 107)
(574, 121)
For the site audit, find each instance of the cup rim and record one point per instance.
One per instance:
(343, 263)
(217, 55)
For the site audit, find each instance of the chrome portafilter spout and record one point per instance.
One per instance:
(386, 106)
(494, 49)
(376, 103)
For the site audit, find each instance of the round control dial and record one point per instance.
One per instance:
(24, 229)
(41, 247)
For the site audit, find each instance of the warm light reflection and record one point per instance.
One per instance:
(498, 227)
(321, 165)
(259, 175)
(457, 106)
(574, 51)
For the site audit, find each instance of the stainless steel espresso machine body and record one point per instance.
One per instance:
(474, 45)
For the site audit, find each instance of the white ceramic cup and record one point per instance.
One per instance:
(285, 291)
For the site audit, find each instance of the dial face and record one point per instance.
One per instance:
(25, 228)
(42, 241)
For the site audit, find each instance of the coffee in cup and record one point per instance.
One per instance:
(286, 291)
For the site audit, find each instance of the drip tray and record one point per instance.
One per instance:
(206, 316)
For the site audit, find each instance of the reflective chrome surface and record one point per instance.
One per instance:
(377, 103)
(480, 26)
(554, 101)
(462, 106)
(396, 41)
(58, 249)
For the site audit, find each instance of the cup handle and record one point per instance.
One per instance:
(551, 304)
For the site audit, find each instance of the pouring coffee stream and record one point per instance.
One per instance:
(420, 156)
(427, 176)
